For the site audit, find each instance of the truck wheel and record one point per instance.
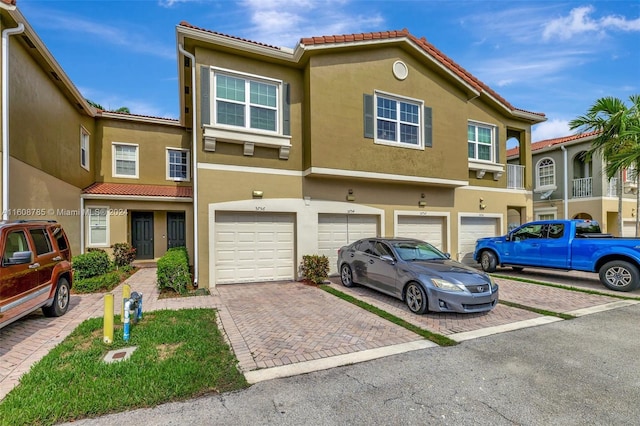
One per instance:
(488, 261)
(619, 275)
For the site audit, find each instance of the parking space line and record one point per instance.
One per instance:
(468, 335)
(602, 308)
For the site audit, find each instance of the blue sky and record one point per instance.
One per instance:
(545, 56)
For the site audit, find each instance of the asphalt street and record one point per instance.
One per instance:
(575, 372)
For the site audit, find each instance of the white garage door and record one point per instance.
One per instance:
(252, 247)
(425, 228)
(337, 230)
(472, 228)
(629, 228)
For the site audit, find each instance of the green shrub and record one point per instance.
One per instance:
(315, 268)
(173, 270)
(91, 264)
(123, 254)
(104, 282)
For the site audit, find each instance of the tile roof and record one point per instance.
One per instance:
(422, 43)
(536, 146)
(128, 114)
(136, 190)
(188, 25)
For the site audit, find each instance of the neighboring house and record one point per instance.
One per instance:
(106, 177)
(303, 150)
(567, 184)
(278, 152)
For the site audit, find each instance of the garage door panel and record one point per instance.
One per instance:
(472, 228)
(337, 230)
(252, 247)
(426, 228)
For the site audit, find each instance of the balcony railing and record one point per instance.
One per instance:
(582, 187)
(515, 176)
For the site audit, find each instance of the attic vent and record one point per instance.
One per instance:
(55, 76)
(28, 41)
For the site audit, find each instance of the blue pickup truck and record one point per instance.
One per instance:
(568, 245)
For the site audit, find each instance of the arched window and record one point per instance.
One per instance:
(546, 173)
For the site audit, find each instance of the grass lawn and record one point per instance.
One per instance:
(180, 354)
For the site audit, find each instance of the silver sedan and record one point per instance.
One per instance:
(418, 273)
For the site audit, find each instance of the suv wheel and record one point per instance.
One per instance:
(60, 300)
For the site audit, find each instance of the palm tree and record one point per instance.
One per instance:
(612, 120)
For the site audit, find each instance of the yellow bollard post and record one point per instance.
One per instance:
(108, 318)
(126, 294)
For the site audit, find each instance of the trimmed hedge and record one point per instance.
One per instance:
(173, 270)
(91, 264)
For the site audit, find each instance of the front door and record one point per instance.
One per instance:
(175, 230)
(142, 234)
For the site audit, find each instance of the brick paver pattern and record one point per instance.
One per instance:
(284, 323)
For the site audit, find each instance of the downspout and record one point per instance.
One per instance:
(566, 182)
(194, 167)
(5, 116)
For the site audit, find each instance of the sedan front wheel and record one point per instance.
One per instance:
(416, 299)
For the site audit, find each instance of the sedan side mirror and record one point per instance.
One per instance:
(388, 258)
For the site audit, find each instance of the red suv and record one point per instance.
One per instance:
(35, 271)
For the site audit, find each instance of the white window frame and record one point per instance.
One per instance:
(248, 78)
(399, 99)
(90, 226)
(549, 211)
(552, 185)
(137, 160)
(179, 179)
(492, 149)
(85, 148)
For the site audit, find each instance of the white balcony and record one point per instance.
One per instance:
(515, 176)
(583, 187)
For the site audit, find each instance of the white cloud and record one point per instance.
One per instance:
(550, 129)
(579, 21)
(285, 22)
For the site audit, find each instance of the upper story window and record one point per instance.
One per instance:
(125, 160)
(246, 102)
(481, 141)
(546, 173)
(630, 174)
(84, 148)
(398, 121)
(178, 164)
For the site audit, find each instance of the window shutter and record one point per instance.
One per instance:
(205, 107)
(286, 110)
(497, 147)
(369, 127)
(428, 127)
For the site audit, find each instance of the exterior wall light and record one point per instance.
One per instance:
(257, 194)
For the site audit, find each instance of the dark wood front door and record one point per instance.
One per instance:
(142, 234)
(175, 230)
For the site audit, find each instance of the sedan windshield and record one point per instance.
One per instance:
(409, 250)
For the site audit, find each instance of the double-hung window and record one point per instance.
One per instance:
(84, 148)
(177, 164)
(246, 102)
(481, 141)
(98, 226)
(398, 121)
(125, 160)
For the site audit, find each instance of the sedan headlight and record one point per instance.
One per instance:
(446, 285)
